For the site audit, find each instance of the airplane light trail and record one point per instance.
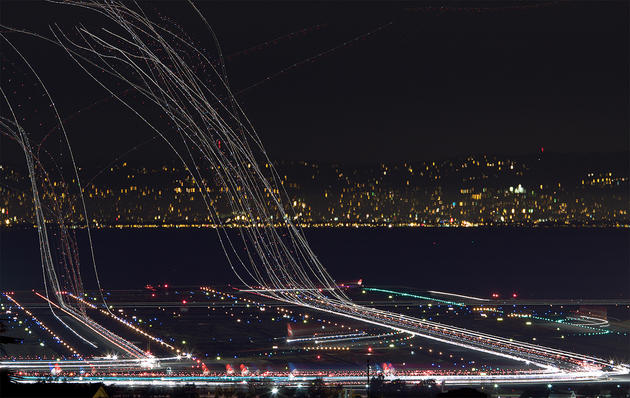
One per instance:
(101, 331)
(373, 289)
(220, 150)
(128, 324)
(458, 295)
(42, 325)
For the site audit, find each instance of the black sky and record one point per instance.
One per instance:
(505, 78)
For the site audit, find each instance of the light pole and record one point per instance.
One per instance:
(368, 378)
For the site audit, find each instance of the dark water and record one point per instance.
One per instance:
(545, 263)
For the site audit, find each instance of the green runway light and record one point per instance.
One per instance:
(372, 289)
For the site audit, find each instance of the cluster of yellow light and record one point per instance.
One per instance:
(527, 218)
(514, 315)
(46, 328)
(326, 348)
(209, 290)
(603, 179)
(485, 309)
(80, 299)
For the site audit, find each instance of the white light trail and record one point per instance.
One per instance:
(212, 137)
(458, 295)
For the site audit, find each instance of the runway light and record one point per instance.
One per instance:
(274, 390)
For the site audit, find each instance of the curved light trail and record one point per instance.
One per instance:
(216, 143)
(219, 148)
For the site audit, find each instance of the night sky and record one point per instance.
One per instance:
(506, 78)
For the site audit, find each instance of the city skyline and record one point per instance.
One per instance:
(483, 190)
